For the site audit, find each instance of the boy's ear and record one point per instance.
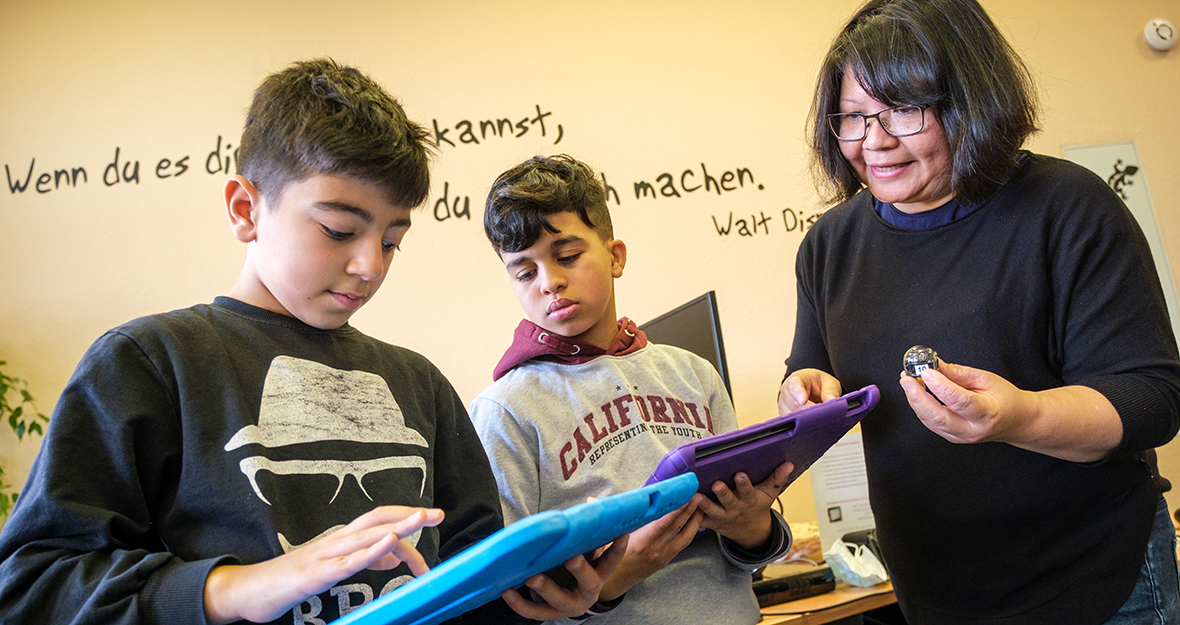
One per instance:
(618, 252)
(242, 203)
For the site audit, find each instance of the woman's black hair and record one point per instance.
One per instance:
(942, 53)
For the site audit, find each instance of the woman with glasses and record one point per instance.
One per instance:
(1011, 484)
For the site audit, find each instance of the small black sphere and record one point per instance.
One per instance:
(918, 359)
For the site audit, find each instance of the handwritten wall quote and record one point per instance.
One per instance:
(125, 169)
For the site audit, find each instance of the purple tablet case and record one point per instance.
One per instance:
(801, 436)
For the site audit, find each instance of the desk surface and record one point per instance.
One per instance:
(842, 602)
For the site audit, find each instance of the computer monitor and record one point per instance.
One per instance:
(695, 327)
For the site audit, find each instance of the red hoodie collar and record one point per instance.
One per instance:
(530, 341)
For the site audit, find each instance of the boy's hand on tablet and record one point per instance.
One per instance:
(264, 591)
(652, 547)
(559, 602)
(742, 515)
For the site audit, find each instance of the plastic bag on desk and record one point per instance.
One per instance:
(855, 564)
(868, 538)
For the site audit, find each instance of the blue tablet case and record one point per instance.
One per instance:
(531, 545)
(801, 436)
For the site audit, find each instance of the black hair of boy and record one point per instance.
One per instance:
(522, 198)
(317, 117)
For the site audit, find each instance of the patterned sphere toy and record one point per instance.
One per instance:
(918, 359)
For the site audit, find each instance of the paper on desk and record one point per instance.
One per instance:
(840, 489)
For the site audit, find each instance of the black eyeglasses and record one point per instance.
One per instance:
(898, 121)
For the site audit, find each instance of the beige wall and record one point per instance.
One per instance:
(638, 89)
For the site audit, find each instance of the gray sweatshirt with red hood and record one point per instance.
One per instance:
(566, 420)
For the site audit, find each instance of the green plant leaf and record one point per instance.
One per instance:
(21, 421)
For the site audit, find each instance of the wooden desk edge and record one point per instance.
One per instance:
(842, 602)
